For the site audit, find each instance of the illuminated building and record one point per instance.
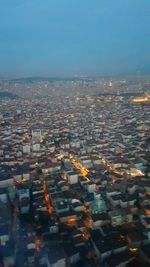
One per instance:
(144, 99)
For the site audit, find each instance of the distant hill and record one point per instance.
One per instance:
(49, 79)
(5, 94)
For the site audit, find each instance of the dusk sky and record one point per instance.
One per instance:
(69, 37)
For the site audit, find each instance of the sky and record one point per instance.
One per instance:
(74, 37)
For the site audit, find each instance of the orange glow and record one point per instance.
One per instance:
(86, 236)
(86, 209)
(147, 212)
(88, 223)
(49, 208)
(38, 245)
(46, 198)
(77, 165)
(71, 222)
(84, 171)
(141, 99)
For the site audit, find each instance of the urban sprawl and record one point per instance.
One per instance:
(75, 172)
